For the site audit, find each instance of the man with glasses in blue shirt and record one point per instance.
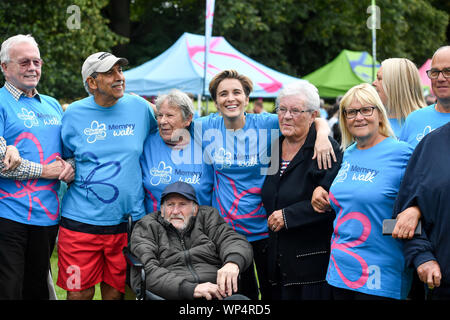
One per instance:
(421, 122)
(29, 204)
(423, 185)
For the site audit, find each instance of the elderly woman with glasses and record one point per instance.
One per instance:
(299, 238)
(171, 154)
(238, 145)
(364, 264)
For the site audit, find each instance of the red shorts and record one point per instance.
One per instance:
(86, 259)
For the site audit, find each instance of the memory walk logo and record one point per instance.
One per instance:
(363, 174)
(359, 173)
(225, 149)
(30, 119)
(98, 131)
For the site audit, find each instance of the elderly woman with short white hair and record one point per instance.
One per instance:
(171, 154)
(299, 238)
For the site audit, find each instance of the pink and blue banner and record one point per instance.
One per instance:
(182, 66)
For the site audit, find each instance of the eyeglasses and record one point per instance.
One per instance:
(294, 111)
(434, 73)
(26, 62)
(365, 111)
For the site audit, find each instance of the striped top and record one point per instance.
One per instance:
(283, 165)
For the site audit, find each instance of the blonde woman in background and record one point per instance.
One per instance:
(399, 87)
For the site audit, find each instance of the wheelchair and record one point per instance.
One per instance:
(133, 262)
(140, 293)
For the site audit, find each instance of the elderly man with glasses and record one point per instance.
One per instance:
(29, 206)
(421, 122)
(424, 191)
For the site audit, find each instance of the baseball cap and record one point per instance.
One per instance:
(100, 62)
(182, 188)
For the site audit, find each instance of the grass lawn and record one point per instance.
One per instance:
(60, 293)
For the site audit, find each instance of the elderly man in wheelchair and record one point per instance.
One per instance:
(187, 251)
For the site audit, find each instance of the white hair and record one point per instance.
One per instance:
(304, 89)
(177, 98)
(186, 219)
(12, 41)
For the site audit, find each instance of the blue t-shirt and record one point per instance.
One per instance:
(162, 165)
(396, 126)
(33, 125)
(107, 143)
(363, 195)
(240, 159)
(421, 122)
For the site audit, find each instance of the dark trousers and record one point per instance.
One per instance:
(417, 289)
(439, 293)
(25, 252)
(249, 283)
(303, 292)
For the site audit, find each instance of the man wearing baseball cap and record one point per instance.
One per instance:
(105, 133)
(189, 251)
(102, 62)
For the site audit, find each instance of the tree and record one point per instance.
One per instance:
(64, 44)
(292, 36)
(443, 5)
(120, 23)
(298, 36)
(156, 24)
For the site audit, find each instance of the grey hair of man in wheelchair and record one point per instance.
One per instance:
(179, 204)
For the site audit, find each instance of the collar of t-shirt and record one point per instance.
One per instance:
(17, 93)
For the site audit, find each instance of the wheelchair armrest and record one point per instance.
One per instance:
(132, 259)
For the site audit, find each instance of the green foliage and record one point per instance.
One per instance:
(157, 24)
(299, 36)
(292, 36)
(62, 49)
